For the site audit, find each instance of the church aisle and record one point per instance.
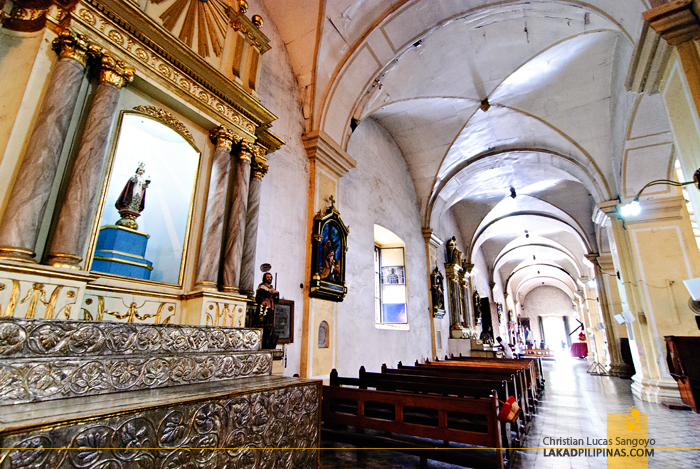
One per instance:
(575, 405)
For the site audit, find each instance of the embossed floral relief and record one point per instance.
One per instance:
(277, 428)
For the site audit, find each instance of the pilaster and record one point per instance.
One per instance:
(328, 163)
(653, 253)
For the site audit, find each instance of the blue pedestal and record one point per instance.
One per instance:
(121, 251)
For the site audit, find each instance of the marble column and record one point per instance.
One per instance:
(212, 236)
(235, 231)
(21, 223)
(78, 210)
(247, 283)
(617, 366)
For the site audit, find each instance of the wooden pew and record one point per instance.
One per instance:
(529, 387)
(514, 378)
(541, 353)
(530, 368)
(421, 385)
(536, 364)
(403, 416)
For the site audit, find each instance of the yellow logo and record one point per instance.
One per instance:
(628, 439)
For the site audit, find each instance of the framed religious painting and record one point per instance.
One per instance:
(284, 321)
(329, 246)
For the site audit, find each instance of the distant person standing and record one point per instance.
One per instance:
(505, 347)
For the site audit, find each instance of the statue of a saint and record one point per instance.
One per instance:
(132, 199)
(266, 297)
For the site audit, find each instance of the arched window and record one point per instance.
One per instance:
(390, 299)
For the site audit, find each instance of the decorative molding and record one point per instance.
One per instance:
(256, 429)
(129, 33)
(649, 60)
(251, 30)
(39, 339)
(34, 380)
(168, 119)
(675, 21)
(321, 147)
(606, 264)
(430, 238)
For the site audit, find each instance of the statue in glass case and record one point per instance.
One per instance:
(132, 199)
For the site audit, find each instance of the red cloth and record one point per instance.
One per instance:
(579, 349)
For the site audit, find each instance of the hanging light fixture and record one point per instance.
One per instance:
(634, 208)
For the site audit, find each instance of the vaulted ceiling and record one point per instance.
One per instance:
(484, 96)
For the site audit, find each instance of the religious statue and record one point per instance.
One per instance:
(438, 293)
(266, 297)
(132, 199)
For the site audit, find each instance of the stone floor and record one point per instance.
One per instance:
(575, 404)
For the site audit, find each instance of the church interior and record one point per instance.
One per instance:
(225, 224)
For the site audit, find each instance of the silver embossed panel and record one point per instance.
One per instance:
(29, 338)
(32, 380)
(276, 428)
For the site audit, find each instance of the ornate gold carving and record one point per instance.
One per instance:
(132, 312)
(209, 17)
(242, 6)
(258, 21)
(71, 45)
(259, 169)
(14, 297)
(247, 151)
(115, 72)
(168, 119)
(223, 137)
(159, 61)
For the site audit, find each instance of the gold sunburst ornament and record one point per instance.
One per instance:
(208, 16)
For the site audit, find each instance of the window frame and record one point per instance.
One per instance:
(378, 288)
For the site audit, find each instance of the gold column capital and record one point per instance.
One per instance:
(247, 151)
(259, 169)
(115, 72)
(71, 45)
(223, 137)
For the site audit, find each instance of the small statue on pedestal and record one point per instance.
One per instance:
(266, 297)
(132, 199)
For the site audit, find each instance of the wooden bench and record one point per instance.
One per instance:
(469, 379)
(413, 423)
(429, 386)
(528, 366)
(540, 353)
(529, 388)
(516, 376)
(535, 365)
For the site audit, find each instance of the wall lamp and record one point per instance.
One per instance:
(633, 208)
